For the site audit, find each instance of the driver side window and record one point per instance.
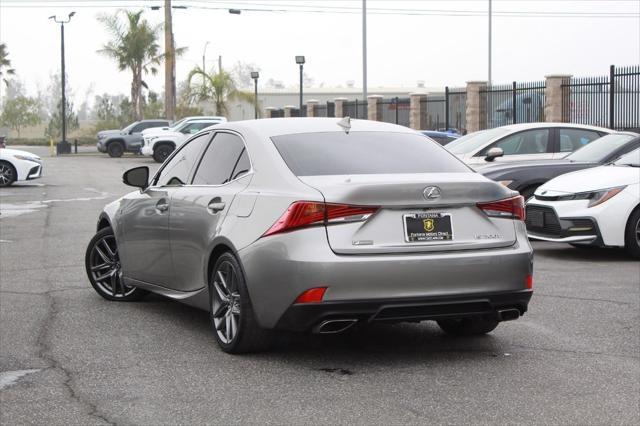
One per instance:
(176, 171)
(528, 142)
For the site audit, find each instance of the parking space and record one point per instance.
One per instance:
(70, 357)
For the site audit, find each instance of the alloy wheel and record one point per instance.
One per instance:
(6, 174)
(638, 232)
(226, 302)
(106, 269)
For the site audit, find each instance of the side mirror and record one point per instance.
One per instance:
(494, 153)
(138, 177)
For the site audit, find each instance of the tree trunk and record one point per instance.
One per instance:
(134, 95)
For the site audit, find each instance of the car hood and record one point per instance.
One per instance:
(165, 134)
(591, 180)
(512, 165)
(154, 130)
(8, 152)
(109, 132)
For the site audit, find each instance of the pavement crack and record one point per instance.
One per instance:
(583, 298)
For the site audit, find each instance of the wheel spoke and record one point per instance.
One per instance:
(97, 268)
(227, 326)
(234, 326)
(110, 252)
(104, 276)
(101, 254)
(223, 297)
(114, 285)
(220, 310)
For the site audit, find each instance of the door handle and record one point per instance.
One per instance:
(216, 205)
(162, 206)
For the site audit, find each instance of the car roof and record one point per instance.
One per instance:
(269, 127)
(525, 126)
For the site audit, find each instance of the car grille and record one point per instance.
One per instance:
(550, 225)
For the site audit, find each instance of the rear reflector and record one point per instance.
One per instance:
(307, 213)
(529, 282)
(508, 208)
(313, 295)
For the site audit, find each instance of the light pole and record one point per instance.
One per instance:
(255, 75)
(364, 50)
(63, 147)
(300, 61)
(204, 55)
(489, 59)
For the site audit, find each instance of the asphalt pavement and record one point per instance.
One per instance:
(67, 356)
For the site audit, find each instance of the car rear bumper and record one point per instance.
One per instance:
(304, 317)
(279, 268)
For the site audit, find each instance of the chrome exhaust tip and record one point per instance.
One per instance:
(334, 326)
(508, 314)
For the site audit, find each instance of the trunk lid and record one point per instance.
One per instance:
(409, 222)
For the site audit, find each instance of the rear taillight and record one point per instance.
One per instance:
(307, 213)
(313, 295)
(512, 208)
(528, 282)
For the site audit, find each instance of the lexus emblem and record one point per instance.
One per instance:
(431, 193)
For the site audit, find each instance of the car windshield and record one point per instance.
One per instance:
(598, 150)
(339, 153)
(631, 159)
(177, 124)
(473, 141)
(129, 127)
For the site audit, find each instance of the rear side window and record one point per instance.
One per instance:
(572, 139)
(221, 160)
(338, 153)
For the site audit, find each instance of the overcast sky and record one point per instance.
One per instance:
(434, 41)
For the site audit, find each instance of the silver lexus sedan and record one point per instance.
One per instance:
(316, 224)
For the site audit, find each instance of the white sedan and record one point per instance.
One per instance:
(16, 165)
(598, 206)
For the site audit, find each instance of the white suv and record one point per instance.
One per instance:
(160, 143)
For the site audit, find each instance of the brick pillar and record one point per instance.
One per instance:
(373, 107)
(311, 107)
(554, 97)
(416, 113)
(476, 106)
(268, 111)
(338, 103)
(287, 110)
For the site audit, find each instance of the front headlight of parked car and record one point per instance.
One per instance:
(595, 197)
(27, 158)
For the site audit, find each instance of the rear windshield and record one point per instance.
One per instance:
(338, 153)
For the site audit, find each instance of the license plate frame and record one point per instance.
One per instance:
(441, 224)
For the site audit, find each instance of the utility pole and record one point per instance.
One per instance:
(219, 63)
(169, 64)
(489, 59)
(364, 50)
(204, 54)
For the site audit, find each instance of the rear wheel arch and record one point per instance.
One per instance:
(103, 222)
(220, 247)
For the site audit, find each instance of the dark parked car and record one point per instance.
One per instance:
(116, 142)
(442, 138)
(526, 176)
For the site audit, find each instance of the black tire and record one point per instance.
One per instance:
(249, 336)
(8, 173)
(474, 326)
(102, 249)
(161, 152)
(115, 149)
(632, 234)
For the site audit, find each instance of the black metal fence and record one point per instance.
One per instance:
(326, 110)
(395, 110)
(277, 113)
(297, 112)
(514, 103)
(355, 109)
(609, 101)
(444, 111)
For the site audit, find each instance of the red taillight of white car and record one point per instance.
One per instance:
(302, 214)
(510, 208)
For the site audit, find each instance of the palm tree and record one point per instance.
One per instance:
(218, 87)
(5, 63)
(134, 46)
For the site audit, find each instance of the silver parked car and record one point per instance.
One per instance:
(316, 224)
